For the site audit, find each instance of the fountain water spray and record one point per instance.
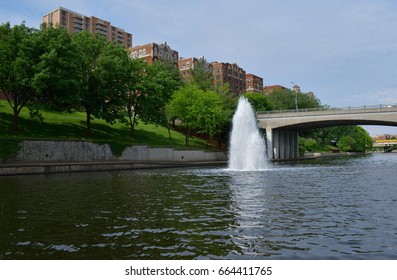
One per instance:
(247, 148)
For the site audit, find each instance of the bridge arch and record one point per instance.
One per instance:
(282, 128)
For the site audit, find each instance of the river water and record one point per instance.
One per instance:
(341, 208)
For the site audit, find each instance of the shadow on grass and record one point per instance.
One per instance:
(117, 136)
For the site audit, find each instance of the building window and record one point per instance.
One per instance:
(144, 52)
(140, 53)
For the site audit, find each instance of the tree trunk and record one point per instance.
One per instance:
(15, 124)
(187, 136)
(219, 140)
(17, 109)
(132, 126)
(133, 122)
(169, 134)
(88, 122)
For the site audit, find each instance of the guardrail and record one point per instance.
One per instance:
(364, 107)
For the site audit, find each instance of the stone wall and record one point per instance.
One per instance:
(83, 151)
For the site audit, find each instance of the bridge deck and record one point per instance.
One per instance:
(328, 111)
(319, 117)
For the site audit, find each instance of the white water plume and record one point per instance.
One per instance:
(247, 151)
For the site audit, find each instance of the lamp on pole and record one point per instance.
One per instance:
(296, 95)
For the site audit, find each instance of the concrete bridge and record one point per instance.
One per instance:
(283, 127)
(387, 145)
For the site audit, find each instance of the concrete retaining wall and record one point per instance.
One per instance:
(82, 151)
(63, 151)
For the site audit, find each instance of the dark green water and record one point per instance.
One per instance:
(333, 209)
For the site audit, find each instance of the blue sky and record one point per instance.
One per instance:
(345, 51)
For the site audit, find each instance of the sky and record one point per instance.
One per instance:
(345, 51)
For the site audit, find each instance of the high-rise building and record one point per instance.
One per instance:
(152, 52)
(253, 83)
(186, 64)
(231, 74)
(75, 22)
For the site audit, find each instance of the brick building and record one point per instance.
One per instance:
(75, 22)
(296, 88)
(152, 52)
(253, 83)
(231, 74)
(269, 89)
(186, 64)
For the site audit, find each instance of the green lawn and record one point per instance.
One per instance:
(71, 126)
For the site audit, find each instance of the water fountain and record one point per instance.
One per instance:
(247, 151)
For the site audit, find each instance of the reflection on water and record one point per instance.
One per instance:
(335, 209)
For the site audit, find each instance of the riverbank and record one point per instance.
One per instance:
(67, 167)
(312, 156)
(45, 157)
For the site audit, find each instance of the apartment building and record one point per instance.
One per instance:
(152, 52)
(270, 89)
(186, 64)
(296, 88)
(231, 74)
(253, 83)
(75, 22)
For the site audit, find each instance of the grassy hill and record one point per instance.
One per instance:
(71, 126)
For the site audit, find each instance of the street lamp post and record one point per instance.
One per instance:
(296, 96)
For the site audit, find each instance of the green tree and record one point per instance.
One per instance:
(363, 140)
(135, 92)
(284, 99)
(88, 49)
(201, 75)
(19, 55)
(161, 81)
(347, 138)
(56, 75)
(180, 106)
(204, 111)
(258, 101)
(211, 114)
(308, 100)
(281, 99)
(112, 75)
(347, 143)
(103, 75)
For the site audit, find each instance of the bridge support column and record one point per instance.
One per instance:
(282, 144)
(269, 143)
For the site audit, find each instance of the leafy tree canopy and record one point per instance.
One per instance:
(19, 55)
(202, 76)
(285, 99)
(204, 111)
(258, 101)
(103, 76)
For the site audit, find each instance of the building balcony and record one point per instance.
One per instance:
(102, 32)
(101, 27)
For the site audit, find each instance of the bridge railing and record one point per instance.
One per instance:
(363, 107)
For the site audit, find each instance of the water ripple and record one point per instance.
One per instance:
(340, 209)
